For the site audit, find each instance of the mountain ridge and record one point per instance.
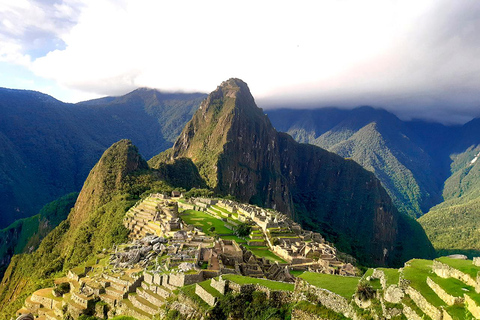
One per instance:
(253, 162)
(48, 147)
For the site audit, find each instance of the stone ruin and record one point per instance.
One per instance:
(140, 252)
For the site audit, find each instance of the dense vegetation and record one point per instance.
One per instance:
(378, 141)
(48, 147)
(452, 225)
(24, 235)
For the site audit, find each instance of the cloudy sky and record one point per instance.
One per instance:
(419, 58)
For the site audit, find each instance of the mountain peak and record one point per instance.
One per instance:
(106, 177)
(237, 151)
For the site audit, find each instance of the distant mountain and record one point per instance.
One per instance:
(48, 147)
(452, 225)
(427, 168)
(377, 140)
(238, 152)
(24, 235)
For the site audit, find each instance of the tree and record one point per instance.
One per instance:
(243, 230)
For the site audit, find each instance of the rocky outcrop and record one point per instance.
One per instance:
(238, 152)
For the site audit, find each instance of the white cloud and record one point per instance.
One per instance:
(394, 54)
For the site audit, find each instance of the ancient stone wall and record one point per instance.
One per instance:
(379, 274)
(110, 278)
(446, 316)
(205, 295)
(328, 299)
(186, 206)
(445, 271)
(303, 315)
(220, 285)
(410, 314)
(141, 306)
(472, 306)
(148, 277)
(393, 294)
(177, 280)
(193, 278)
(442, 294)
(476, 261)
(424, 305)
(46, 302)
(82, 300)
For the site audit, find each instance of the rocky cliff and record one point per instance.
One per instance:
(238, 152)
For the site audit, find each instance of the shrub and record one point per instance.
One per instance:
(365, 291)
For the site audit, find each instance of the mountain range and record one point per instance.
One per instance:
(426, 168)
(47, 147)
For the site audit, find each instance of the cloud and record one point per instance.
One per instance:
(30, 29)
(416, 58)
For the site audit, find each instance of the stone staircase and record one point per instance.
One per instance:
(139, 219)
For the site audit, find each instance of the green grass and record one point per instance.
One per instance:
(205, 221)
(466, 266)
(234, 237)
(343, 286)
(392, 275)
(189, 291)
(124, 318)
(456, 311)
(375, 283)
(273, 285)
(417, 272)
(264, 252)
(207, 286)
(296, 273)
(218, 208)
(453, 286)
(368, 273)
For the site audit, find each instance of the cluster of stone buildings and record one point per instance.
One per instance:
(166, 254)
(302, 249)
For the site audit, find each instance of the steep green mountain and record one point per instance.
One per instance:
(48, 147)
(238, 152)
(452, 225)
(24, 235)
(377, 140)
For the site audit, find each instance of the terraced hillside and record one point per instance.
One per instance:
(184, 259)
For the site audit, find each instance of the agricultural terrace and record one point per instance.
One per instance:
(343, 286)
(206, 221)
(272, 285)
(417, 271)
(465, 266)
(391, 275)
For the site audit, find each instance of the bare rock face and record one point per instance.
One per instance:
(238, 152)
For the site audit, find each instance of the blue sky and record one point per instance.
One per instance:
(418, 58)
